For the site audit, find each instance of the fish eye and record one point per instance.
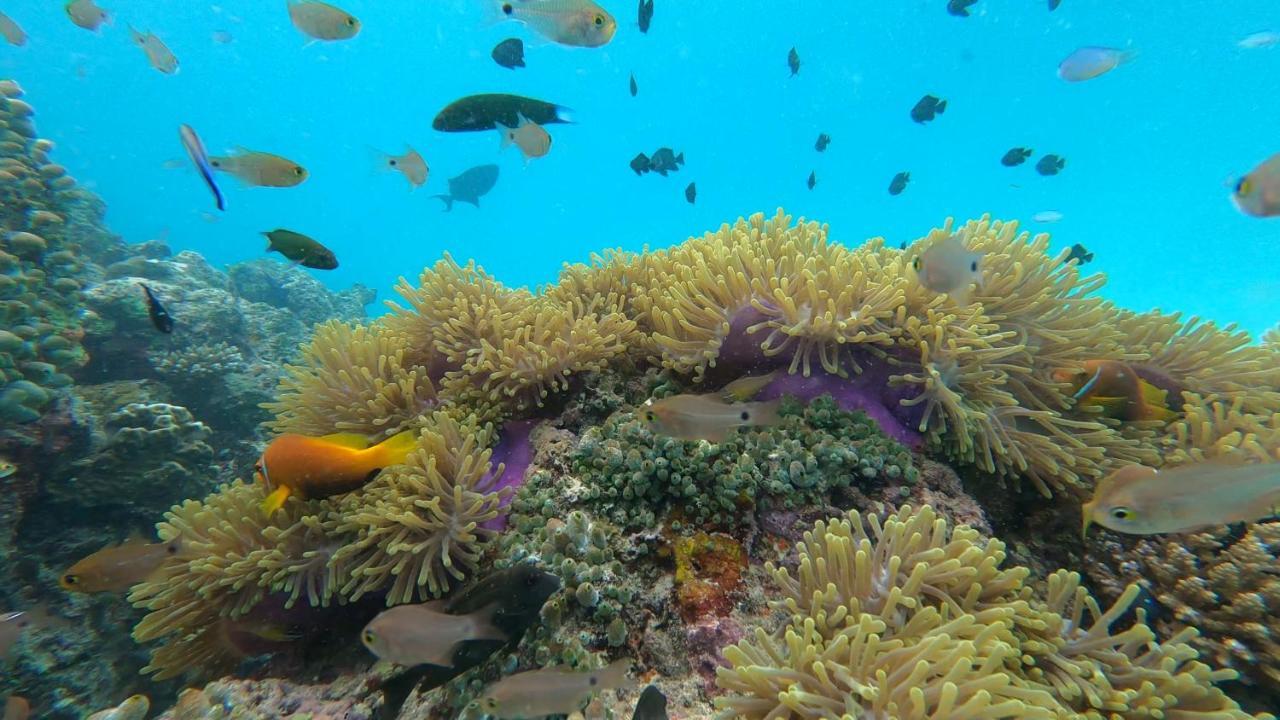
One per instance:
(1122, 513)
(973, 266)
(369, 637)
(70, 579)
(599, 20)
(298, 171)
(507, 9)
(650, 416)
(1244, 186)
(351, 22)
(915, 264)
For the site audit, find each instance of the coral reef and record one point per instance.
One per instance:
(906, 618)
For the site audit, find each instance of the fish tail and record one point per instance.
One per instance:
(448, 201)
(615, 674)
(275, 500)
(680, 159)
(396, 448)
(564, 114)
(940, 107)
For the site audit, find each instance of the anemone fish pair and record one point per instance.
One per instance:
(1116, 390)
(318, 467)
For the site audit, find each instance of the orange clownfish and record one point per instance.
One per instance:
(316, 467)
(1114, 387)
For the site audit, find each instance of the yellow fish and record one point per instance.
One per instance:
(260, 169)
(417, 634)
(411, 165)
(746, 387)
(1258, 193)
(116, 568)
(322, 21)
(949, 267)
(532, 139)
(705, 417)
(7, 468)
(550, 691)
(316, 467)
(581, 23)
(1143, 501)
(158, 54)
(87, 15)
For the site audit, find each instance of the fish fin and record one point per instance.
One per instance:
(271, 244)
(1155, 403)
(941, 107)
(275, 500)
(504, 135)
(564, 114)
(448, 201)
(397, 447)
(355, 441)
(962, 296)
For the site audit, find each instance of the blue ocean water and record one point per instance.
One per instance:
(1150, 147)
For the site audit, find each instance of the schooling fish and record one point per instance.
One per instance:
(322, 21)
(318, 467)
(1087, 63)
(260, 169)
(1143, 501)
(1079, 254)
(195, 150)
(410, 164)
(550, 691)
(640, 164)
(960, 8)
(645, 15)
(116, 568)
(1050, 165)
(532, 139)
(705, 417)
(665, 160)
(823, 141)
(483, 112)
(470, 186)
(509, 53)
(160, 317)
(928, 108)
(85, 14)
(1115, 388)
(11, 31)
(813, 179)
(949, 267)
(1258, 193)
(899, 183)
(652, 705)
(691, 192)
(634, 89)
(301, 249)
(7, 468)
(580, 23)
(793, 62)
(16, 708)
(418, 634)
(158, 54)
(1015, 157)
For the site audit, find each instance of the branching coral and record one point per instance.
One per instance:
(353, 379)
(904, 619)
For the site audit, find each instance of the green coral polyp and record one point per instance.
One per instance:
(815, 449)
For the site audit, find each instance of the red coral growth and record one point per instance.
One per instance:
(708, 572)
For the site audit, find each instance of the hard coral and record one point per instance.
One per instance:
(906, 619)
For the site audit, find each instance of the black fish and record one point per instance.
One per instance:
(640, 163)
(634, 89)
(823, 141)
(813, 178)
(1015, 157)
(899, 183)
(960, 8)
(665, 160)
(509, 53)
(645, 15)
(1053, 4)
(691, 192)
(928, 108)
(160, 317)
(483, 112)
(301, 249)
(652, 705)
(516, 596)
(470, 186)
(793, 61)
(1079, 254)
(1050, 165)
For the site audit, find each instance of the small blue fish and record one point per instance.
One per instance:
(1088, 63)
(195, 149)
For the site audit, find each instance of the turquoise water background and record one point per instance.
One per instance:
(1150, 148)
